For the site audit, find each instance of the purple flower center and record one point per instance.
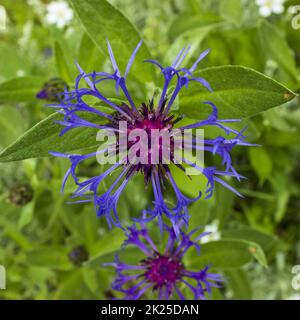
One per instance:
(157, 145)
(163, 270)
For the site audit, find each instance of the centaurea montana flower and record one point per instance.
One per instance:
(147, 117)
(162, 272)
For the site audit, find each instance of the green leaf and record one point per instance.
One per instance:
(12, 124)
(105, 249)
(191, 185)
(61, 64)
(257, 252)
(261, 162)
(14, 62)
(281, 185)
(223, 254)
(50, 256)
(102, 21)
(23, 89)
(239, 284)
(228, 254)
(238, 92)
(232, 10)
(70, 284)
(12, 232)
(26, 215)
(134, 201)
(226, 197)
(248, 56)
(187, 23)
(90, 278)
(282, 139)
(279, 121)
(89, 57)
(44, 137)
(265, 240)
(276, 46)
(111, 243)
(194, 36)
(282, 202)
(84, 225)
(200, 213)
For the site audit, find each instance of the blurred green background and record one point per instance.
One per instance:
(52, 250)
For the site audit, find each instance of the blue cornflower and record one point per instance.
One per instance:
(162, 272)
(147, 117)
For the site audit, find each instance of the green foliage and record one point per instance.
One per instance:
(20, 89)
(275, 45)
(62, 64)
(122, 35)
(229, 254)
(238, 91)
(44, 137)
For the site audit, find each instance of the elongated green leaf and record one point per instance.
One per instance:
(23, 89)
(11, 230)
(194, 36)
(106, 247)
(84, 225)
(266, 241)
(282, 139)
(12, 125)
(261, 163)
(90, 277)
(187, 23)
(238, 92)
(44, 137)
(277, 48)
(232, 10)
(69, 284)
(61, 64)
(26, 215)
(257, 252)
(12, 62)
(239, 284)
(51, 257)
(110, 244)
(227, 254)
(247, 55)
(102, 21)
(89, 57)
